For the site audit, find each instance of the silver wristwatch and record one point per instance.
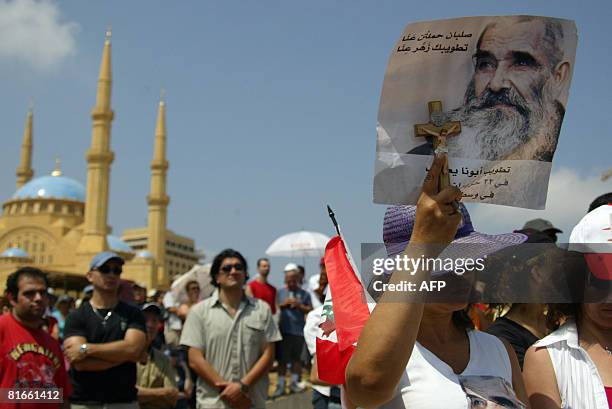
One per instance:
(83, 349)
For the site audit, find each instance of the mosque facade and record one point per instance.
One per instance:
(55, 223)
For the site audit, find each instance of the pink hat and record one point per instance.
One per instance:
(399, 222)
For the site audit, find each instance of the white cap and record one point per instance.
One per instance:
(593, 234)
(291, 267)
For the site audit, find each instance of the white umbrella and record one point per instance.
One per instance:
(299, 244)
(199, 273)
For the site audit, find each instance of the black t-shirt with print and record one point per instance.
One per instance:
(114, 385)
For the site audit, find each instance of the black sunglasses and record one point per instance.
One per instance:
(107, 269)
(228, 268)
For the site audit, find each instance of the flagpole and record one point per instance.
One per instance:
(332, 216)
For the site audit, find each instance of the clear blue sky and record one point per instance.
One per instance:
(271, 108)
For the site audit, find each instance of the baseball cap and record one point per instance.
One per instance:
(592, 236)
(102, 257)
(541, 225)
(290, 267)
(151, 306)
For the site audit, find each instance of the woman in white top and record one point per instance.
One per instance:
(572, 367)
(411, 355)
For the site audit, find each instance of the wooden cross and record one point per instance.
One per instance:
(440, 129)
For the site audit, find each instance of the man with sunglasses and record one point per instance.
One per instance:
(30, 358)
(105, 337)
(231, 340)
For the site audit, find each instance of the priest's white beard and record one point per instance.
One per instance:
(492, 132)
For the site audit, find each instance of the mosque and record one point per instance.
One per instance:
(56, 224)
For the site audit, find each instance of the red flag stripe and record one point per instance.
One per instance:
(348, 299)
(331, 362)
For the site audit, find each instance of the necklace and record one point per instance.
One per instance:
(104, 319)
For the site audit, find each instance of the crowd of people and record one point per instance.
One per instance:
(154, 351)
(137, 348)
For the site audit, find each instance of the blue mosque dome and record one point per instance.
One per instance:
(56, 187)
(144, 254)
(116, 244)
(14, 252)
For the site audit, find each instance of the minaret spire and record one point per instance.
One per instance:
(158, 200)
(99, 158)
(24, 170)
(57, 171)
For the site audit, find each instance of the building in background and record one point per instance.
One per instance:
(55, 223)
(180, 252)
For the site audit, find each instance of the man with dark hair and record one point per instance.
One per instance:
(231, 340)
(156, 380)
(29, 357)
(260, 288)
(511, 106)
(105, 337)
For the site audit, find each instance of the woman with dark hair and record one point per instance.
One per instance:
(415, 354)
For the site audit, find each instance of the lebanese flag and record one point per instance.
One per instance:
(343, 319)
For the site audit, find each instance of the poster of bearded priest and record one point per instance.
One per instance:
(490, 91)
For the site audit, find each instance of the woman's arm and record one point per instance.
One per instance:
(540, 380)
(387, 340)
(517, 377)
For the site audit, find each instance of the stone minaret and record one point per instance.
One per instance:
(158, 200)
(24, 170)
(99, 158)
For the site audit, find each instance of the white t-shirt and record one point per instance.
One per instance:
(430, 383)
